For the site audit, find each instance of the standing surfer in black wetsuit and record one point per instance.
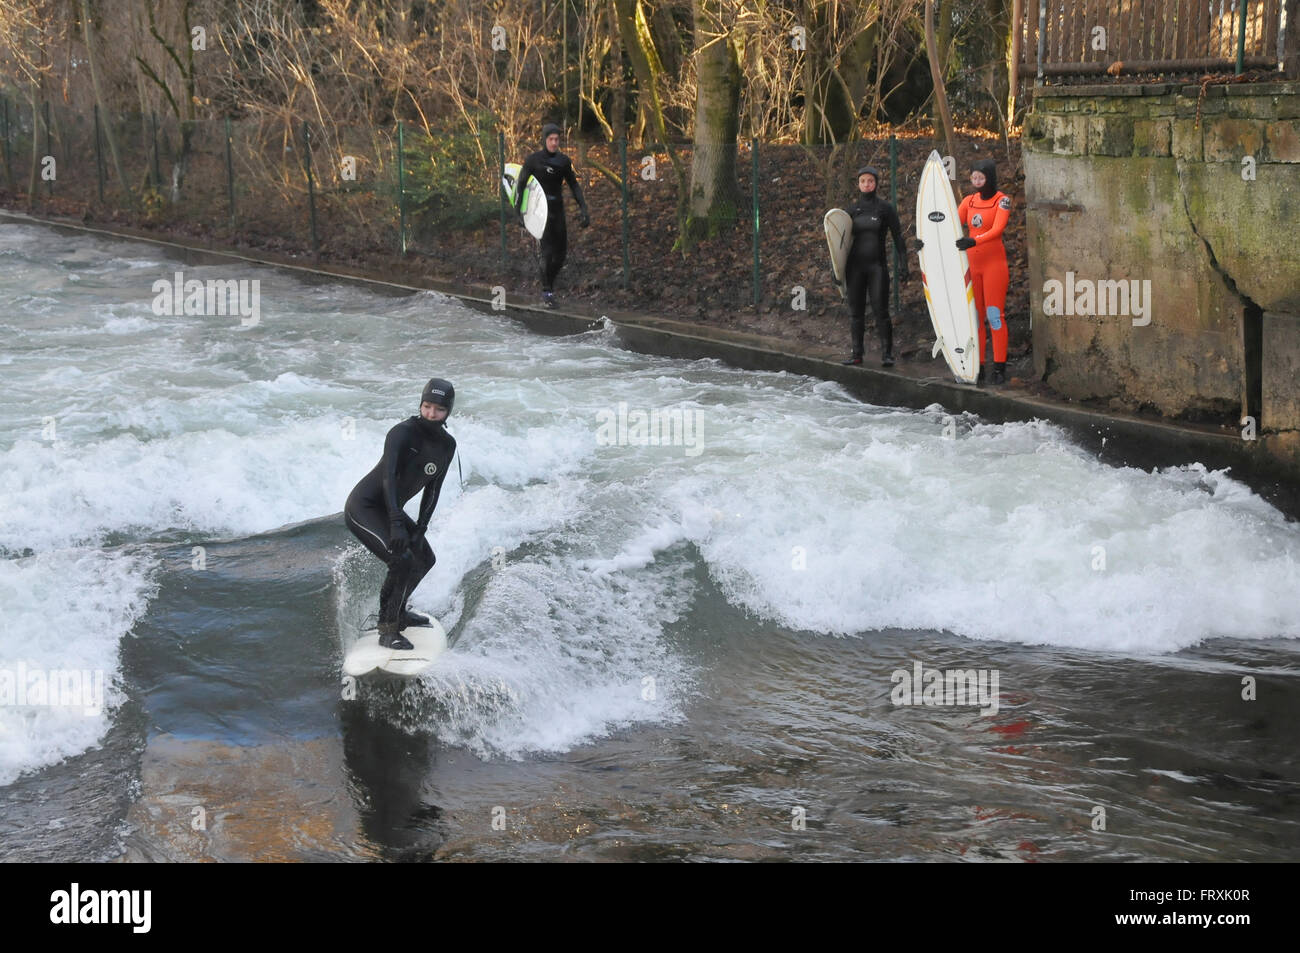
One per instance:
(552, 168)
(417, 452)
(865, 272)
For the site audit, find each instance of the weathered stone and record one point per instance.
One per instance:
(1110, 136)
(1056, 104)
(1152, 137)
(1280, 409)
(1244, 223)
(1059, 134)
(1188, 140)
(1230, 139)
(1173, 210)
(1283, 140)
(1072, 137)
(1192, 109)
(1278, 89)
(1285, 446)
(1252, 107)
(1035, 130)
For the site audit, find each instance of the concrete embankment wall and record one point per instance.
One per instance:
(1196, 191)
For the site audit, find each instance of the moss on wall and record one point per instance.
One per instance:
(1200, 196)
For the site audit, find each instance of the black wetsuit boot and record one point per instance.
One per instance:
(410, 618)
(390, 637)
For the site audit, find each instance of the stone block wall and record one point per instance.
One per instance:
(1196, 191)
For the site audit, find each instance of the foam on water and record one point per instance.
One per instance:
(805, 507)
(65, 611)
(1008, 532)
(554, 657)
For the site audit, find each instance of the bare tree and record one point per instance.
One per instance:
(104, 113)
(26, 32)
(713, 195)
(641, 49)
(182, 100)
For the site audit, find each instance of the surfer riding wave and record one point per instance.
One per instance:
(417, 453)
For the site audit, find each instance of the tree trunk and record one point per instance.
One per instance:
(829, 115)
(943, 32)
(104, 113)
(645, 66)
(936, 74)
(713, 195)
(619, 118)
(36, 147)
(1013, 62)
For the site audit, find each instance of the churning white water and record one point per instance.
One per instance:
(123, 431)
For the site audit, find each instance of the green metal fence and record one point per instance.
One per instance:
(429, 201)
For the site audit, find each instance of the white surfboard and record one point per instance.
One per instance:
(367, 655)
(534, 199)
(839, 237)
(945, 273)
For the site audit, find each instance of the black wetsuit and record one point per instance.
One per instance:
(417, 453)
(552, 170)
(865, 272)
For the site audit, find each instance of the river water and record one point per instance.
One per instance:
(683, 651)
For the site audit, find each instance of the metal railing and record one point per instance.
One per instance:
(1061, 39)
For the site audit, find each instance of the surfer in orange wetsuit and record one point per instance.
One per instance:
(986, 213)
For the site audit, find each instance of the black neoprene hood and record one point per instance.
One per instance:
(439, 392)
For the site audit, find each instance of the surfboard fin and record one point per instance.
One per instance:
(938, 346)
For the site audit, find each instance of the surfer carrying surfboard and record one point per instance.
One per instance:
(866, 272)
(552, 168)
(417, 452)
(986, 213)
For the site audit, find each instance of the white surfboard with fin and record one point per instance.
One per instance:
(945, 273)
(839, 237)
(367, 655)
(534, 199)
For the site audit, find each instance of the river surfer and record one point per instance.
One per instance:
(552, 168)
(417, 453)
(866, 273)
